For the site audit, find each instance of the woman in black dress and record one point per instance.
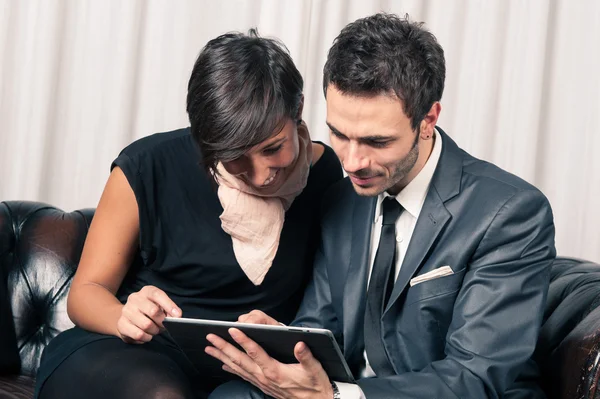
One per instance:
(209, 222)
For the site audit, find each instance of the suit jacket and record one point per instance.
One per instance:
(466, 335)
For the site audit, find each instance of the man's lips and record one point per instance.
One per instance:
(362, 180)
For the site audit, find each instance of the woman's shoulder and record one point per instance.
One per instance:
(326, 155)
(317, 151)
(159, 142)
(327, 167)
(159, 156)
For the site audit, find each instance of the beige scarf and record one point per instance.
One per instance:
(254, 220)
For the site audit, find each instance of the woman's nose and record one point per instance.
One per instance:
(258, 175)
(255, 173)
(237, 167)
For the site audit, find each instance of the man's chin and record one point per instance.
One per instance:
(367, 191)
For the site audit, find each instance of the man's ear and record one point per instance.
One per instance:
(428, 123)
(300, 109)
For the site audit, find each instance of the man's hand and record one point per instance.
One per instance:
(306, 379)
(257, 317)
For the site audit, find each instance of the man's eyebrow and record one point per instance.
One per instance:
(377, 137)
(374, 137)
(333, 129)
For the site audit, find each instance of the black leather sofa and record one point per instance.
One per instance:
(40, 247)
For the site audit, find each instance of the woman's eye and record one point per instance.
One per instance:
(272, 150)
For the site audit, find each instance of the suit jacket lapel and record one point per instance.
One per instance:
(356, 280)
(432, 219)
(445, 185)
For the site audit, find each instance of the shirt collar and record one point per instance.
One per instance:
(412, 197)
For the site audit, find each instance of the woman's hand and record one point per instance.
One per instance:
(258, 317)
(143, 314)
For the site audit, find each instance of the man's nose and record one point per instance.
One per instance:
(354, 160)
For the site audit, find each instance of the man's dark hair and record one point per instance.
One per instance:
(242, 88)
(386, 54)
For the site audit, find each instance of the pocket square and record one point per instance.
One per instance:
(439, 272)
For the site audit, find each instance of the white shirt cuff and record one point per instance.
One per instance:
(350, 391)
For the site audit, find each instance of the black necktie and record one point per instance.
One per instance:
(380, 287)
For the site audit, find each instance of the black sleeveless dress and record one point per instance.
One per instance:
(184, 251)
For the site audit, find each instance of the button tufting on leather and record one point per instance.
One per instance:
(40, 247)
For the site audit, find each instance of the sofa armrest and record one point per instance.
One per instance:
(10, 362)
(40, 247)
(575, 364)
(17, 387)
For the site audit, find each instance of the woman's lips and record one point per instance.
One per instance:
(271, 180)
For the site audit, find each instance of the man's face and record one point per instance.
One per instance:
(374, 141)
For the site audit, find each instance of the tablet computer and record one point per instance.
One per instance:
(277, 341)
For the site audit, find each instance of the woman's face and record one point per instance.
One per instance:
(266, 165)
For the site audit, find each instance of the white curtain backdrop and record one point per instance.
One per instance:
(80, 79)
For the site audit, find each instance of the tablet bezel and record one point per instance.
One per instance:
(309, 337)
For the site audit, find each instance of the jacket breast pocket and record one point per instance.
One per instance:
(438, 287)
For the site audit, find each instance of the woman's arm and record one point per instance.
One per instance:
(111, 243)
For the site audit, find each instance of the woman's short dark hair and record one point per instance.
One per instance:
(387, 54)
(242, 88)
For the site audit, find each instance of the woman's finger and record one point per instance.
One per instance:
(160, 298)
(257, 317)
(132, 333)
(140, 320)
(152, 311)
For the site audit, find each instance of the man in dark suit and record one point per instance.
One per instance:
(434, 266)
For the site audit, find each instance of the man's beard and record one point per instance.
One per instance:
(403, 167)
(399, 171)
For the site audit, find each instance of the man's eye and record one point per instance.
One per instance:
(377, 144)
(337, 134)
(272, 150)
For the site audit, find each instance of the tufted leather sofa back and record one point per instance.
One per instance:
(40, 247)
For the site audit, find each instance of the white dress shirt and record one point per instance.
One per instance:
(412, 198)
